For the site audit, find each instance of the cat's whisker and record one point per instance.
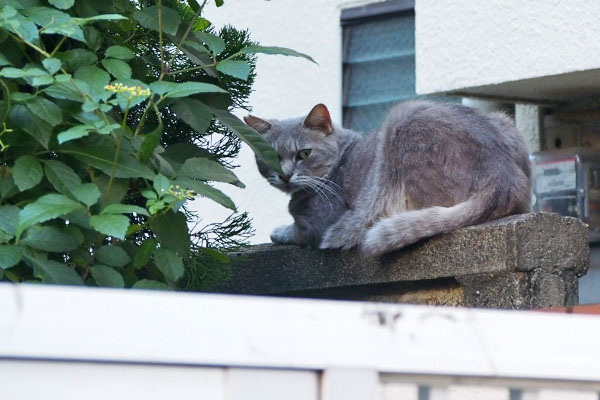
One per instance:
(328, 181)
(313, 185)
(323, 185)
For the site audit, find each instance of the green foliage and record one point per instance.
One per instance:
(107, 117)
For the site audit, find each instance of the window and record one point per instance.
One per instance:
(378, 61)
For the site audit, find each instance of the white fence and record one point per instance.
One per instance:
(75, 343)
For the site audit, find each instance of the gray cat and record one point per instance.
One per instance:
(430, 169)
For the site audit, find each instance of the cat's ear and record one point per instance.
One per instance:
(259, 125)
(319, 119)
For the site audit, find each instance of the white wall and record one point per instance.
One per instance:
(285, 87)
(465, 43)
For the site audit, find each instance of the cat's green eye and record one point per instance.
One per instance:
(304, 153)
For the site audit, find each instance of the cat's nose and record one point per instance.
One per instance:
(285, 178)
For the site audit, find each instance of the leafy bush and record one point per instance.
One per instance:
(105, 112)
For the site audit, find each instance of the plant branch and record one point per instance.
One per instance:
(185, 35)
(181, 71)
(160, 40)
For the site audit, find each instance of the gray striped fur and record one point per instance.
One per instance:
(430, 169)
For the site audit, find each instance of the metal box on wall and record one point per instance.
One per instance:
(567, 182)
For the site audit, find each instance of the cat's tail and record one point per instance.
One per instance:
(399, 230)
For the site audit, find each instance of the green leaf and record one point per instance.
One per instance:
(118, 190)
(53, 272)
(50, 238)
(194, 113)
(214, 43)
(149, 194)
(179, 152)
(76, 132)
(117, 68)
(61, 176)
(20, 97)
(27, 172)
(169, 264)
(274, 50)
(172, 89)
(255, 140)
(19, 24)
(40, 130)
(193, 5)
(113, 256)
(111, 225)
(45, 208)
(104, 129)
(161, 184)
(88, 193)
(9, 256)
(218, 3)
(62, 4)
(207, 191)
(5, 237)
(171, 230)
(66, 90)
(151, 140)
(9, 219)
(46, 110)
(93, 38)
(120, 52)
(107, 277)
(96, 79)
(104, 17)
(102, 157)
(16, 73)
(150, 284)
(148, 17)
(4, 61)
(162, 87)
(7, 187)
(207, 170)
(237, 69)
(124, 209)
(144, 253)
(52, 65)
(76, 58)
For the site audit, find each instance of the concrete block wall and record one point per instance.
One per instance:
(521, 262)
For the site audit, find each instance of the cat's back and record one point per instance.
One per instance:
(435, 126)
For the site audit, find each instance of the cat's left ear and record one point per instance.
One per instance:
(318, 119)
(259, 125)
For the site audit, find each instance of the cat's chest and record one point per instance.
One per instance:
(320, 205)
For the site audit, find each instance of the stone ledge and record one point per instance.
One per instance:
(526, 245)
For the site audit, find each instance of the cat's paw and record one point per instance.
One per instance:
(373, 245)
(332, 240)
(338, 237)
(283, 234)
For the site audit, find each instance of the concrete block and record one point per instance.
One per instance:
(522, 261)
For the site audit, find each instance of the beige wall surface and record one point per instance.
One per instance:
(466, 43)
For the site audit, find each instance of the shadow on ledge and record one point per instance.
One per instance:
(519, 262)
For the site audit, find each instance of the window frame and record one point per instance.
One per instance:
(375, 11)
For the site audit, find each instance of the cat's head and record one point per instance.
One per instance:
(307, 149)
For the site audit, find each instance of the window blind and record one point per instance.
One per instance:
(378, 65)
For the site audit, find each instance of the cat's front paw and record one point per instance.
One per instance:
(338, 237)
(283, 234)
(332, 240)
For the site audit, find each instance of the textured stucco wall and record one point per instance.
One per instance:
(466, 43)
(285, 87)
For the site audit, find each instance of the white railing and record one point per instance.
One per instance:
(75, 343)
